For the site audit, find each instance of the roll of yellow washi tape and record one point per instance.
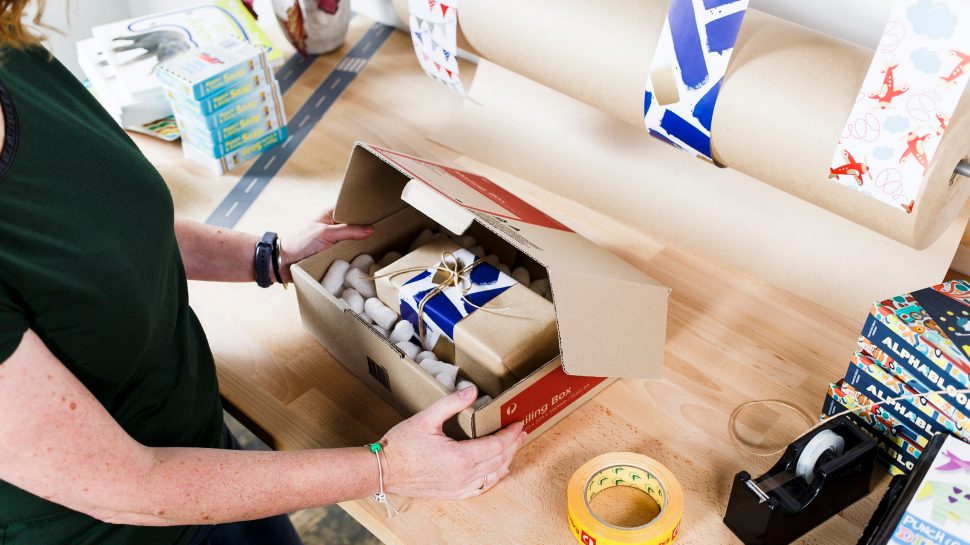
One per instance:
(624, 469)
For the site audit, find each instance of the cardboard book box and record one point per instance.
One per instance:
(611, 317)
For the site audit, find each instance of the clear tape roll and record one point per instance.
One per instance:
(624, 469)
(823, 441)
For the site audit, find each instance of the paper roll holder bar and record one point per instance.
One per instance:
(963, 168)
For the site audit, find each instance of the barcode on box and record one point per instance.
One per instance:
(379, 373)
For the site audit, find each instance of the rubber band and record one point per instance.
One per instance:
(861, 407)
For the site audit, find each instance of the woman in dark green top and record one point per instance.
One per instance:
(110, 421)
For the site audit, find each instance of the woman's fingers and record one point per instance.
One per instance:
(489, 472)
(489, 481)
(327, 217)
(337, 233)
(435, 415)
(493, 445)
(504, 457)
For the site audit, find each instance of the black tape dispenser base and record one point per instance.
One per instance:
(819, 475)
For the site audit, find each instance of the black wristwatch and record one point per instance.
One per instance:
(268, 260)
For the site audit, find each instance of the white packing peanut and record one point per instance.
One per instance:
(462, 384)
(427, 354)
(354, 300)
(380, 313)
(447, 379)
(374, 267)
(403, 331)
(389, 258)
(410, 349)
(477, 251)
(433, 367)
(362, 282)
(481, 402)
(423, 238)
(380, 330)
(505, 269)
(362, 262)
(541, 287)
(467, 242)
(334, 279)
(521, 275)
(365, 318)
(492, 260)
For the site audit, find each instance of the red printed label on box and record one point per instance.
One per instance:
(474, 192)
(544, 399)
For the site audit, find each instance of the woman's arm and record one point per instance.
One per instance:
(58, 442)
(216, 253)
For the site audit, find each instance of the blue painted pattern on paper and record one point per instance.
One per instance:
(693, 52)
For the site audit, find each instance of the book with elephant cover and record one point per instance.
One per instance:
(135, 47)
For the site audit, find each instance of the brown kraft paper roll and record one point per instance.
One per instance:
(783, 104)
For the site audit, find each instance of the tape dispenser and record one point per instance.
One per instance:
(819, 475)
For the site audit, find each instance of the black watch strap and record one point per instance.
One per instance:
(264, 263)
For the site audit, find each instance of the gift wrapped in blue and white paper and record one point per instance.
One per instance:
(471, 290)
(493, 328)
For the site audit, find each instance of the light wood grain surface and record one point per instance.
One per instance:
(731, 339)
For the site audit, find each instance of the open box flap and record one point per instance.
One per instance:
(611, 316)
(609, 327)
(371, 190)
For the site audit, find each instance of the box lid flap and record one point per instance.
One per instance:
(439, 207)
(611, 316)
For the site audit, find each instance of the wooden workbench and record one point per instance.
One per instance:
(730, 339)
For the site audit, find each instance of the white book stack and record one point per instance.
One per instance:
(121, 59)
(128, 112)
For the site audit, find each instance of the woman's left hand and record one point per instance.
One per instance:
(319, 235)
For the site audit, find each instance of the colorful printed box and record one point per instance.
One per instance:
(911, 385)
(203, 140)
(939, 316)
(222, 98)
(265, 100)
(914, 366)
(866, 376)
(243, 124)
(227, 162)
(926, 343)
(916, 345)
(202, 72)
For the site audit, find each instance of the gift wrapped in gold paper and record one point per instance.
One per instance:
(494, 329)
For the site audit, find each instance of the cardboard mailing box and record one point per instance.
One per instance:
(611, 317)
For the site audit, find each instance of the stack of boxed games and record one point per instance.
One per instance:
(915, 346)
(226, 103)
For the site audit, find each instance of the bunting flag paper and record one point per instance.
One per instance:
(685, 77)
(911, 90)
(434, 32)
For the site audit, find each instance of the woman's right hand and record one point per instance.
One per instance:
(423, 462)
